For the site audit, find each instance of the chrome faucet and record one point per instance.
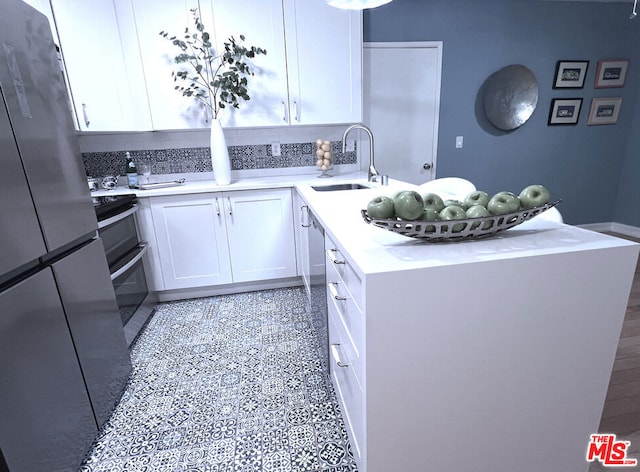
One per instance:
(373, 173)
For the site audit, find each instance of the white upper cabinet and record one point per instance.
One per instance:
(311, 73)
(119, 67)
(262, 24)
(324, 61)
(169, 109)
(102, 64)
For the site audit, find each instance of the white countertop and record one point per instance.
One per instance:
(374, 250)
(203, 186)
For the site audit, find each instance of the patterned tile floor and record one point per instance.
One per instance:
(231, 383)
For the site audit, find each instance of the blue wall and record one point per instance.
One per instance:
(587, 166)
(628, 205)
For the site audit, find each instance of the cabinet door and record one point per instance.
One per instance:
(169, 109)
(191, 240)
(302, 224)
(105, 88)
(260, 230)
(324, 60)
(261, 22)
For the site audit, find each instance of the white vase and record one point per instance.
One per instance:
(219, 154)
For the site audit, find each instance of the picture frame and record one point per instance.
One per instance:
(604, 111)
(564, 111)
(611, 73)
(570, 74)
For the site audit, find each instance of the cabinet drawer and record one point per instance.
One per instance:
(336, 259)
(349, 390)
(348, 313)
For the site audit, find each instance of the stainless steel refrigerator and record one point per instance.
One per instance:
(63, 356)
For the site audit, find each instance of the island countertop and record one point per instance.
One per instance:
(374, 250)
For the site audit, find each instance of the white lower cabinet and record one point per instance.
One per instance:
(191, 240)
(261, 234)
(223, 237)
(346, 344)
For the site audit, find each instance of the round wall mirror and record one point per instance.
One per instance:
(510, 97)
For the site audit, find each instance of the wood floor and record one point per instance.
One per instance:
(621, 413)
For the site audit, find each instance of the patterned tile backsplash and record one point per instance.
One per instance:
(191, 160)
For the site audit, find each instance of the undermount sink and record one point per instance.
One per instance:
(334, 187)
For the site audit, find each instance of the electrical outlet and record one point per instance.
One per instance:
(275, 149)
(351, 145)
(459, 140)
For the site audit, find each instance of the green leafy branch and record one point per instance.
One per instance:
(214, 80)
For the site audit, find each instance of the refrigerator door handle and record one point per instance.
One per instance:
(143, 248)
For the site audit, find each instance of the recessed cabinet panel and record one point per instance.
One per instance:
(260, 230)
(169, 109)
(261, 22)
(225, 237)
(311, 73)
(192, 243)
(324, 60)
(104, 86)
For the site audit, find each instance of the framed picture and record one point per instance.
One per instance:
(611, 73)
(570, 74)
(604, 111)
(565, 111)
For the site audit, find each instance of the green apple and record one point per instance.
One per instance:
(381, 208)
(477, 197)
(430, 214)
(433, 200)
(454, 212)
(534, 196)
(502, 203)
(478, 211)
(454, 203)
(408, 205)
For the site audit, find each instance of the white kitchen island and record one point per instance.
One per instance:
(477, 356)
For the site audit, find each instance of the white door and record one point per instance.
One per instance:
(401, 106)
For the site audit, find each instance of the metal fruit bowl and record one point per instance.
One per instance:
(456, 230)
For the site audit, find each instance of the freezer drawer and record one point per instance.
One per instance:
(94, 320)
(47, 420)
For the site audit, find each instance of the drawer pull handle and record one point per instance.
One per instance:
(336, 356)
(332, 257)
(217, 207)
(304, 210)
(333, 289)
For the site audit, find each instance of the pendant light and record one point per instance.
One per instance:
(634, 13)
(357, 4)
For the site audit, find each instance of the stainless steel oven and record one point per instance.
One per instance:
(118, 231)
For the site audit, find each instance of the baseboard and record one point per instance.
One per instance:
(627, 230)
(182, 294)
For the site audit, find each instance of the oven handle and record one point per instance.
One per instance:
(118, 217)
(143, 246)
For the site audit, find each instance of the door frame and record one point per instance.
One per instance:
(438, 46)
